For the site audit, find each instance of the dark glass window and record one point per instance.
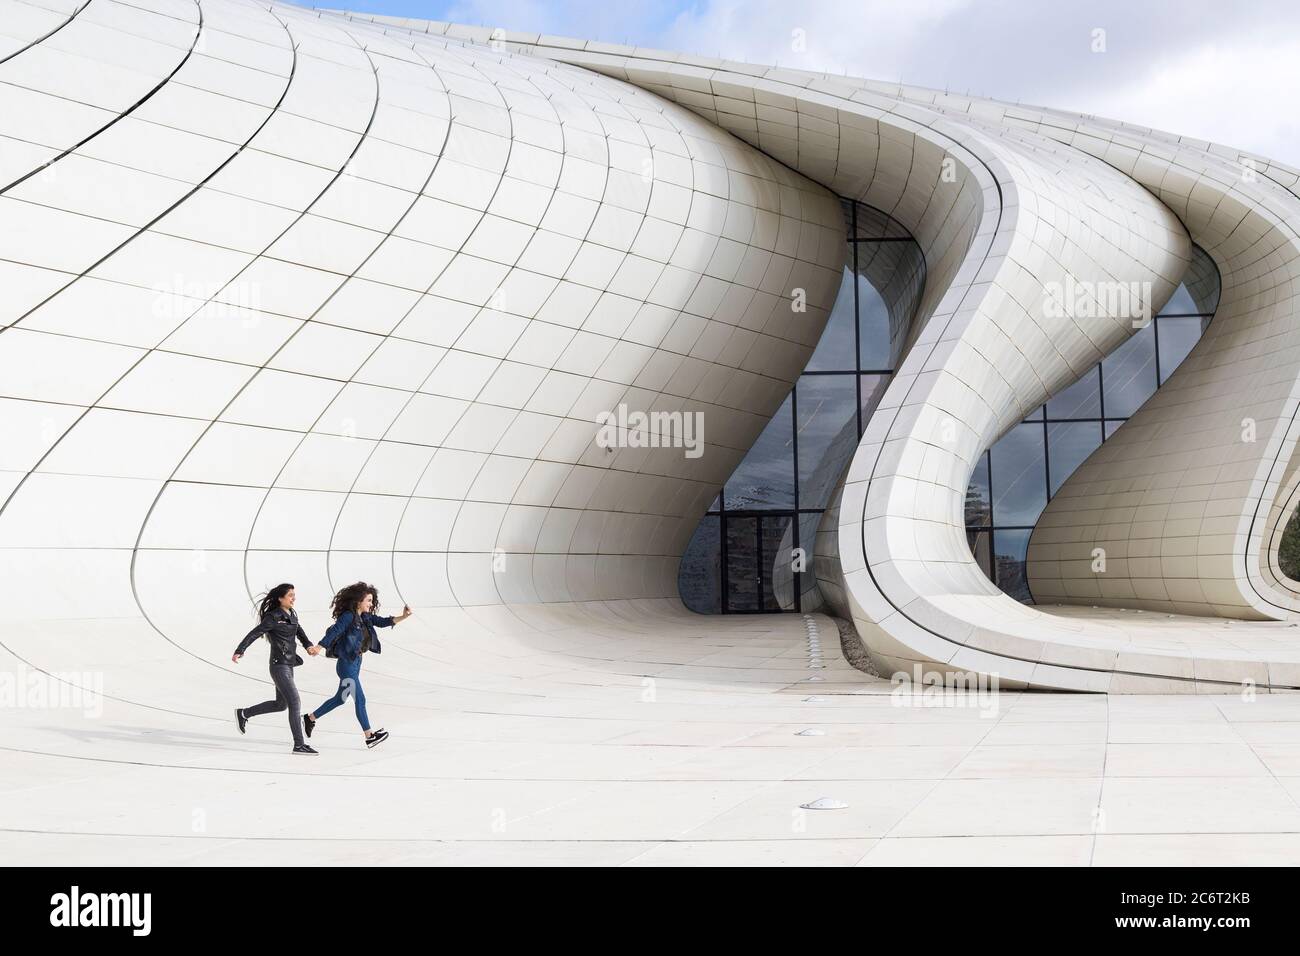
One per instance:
(979, 507)
(834, 352)
(699, 580)
(1080, 400)
(1018, 472)
(827, 417)
(1129, 374)
(809, 522)
(1288, 549)
(744, 575)
(980, 544)
(765, 478)
(758, 539)
(1176, 336)
(1180, 303)
(872, 389)
(775, 562)
(1009, 549)
(1069, 444)
(873, 325)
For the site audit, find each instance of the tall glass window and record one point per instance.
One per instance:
(1014, 480)
(743, 556)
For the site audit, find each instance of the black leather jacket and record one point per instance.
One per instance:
(281, 628)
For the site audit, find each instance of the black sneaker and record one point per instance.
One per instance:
(240, 719)
(308, 725)
(304, 749)
(377, 738)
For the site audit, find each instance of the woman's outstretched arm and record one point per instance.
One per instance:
(390, 621)
(263, 626)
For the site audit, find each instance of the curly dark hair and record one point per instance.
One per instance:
(271, 600)
(348, 598)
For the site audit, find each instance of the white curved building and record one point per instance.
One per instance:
(290, 295)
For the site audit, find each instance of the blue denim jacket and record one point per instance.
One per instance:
(348, 632)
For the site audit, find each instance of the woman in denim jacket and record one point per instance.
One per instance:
(350, 636)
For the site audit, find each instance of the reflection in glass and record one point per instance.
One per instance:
(979, 510)
(1009, 549)
(760, 558)
(1203, 282)
(774, 559)
(874, 224)
(1288, 549)
(980, 544)
(1017, 474)
(808, 524)
(1177, 337)
(873, 318)
(765, 478)
(891, 276)
(744, 580)
(1199, 292)
(873, 390)
(1180, 303)
(1128, 375)
(1068, 445)
(1080, 400)
(828, 433)
(834, 352)
(699, 580)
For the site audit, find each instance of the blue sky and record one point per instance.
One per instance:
(615, 20)
(1205, 68)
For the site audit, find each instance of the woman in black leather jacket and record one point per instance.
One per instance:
(279, 623)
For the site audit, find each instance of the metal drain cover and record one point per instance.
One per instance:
(824, 803)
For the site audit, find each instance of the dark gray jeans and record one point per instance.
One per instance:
(286, 695)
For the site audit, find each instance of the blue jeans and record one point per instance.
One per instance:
(349, 686)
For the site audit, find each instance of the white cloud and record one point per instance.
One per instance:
(1240, 94)
(1198, 68)
(1204, 68)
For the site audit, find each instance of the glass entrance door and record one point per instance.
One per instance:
(761, 572)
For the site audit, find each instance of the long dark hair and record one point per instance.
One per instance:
(348, 598)
(271, 599)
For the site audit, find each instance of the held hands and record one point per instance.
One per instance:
(314, 650)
